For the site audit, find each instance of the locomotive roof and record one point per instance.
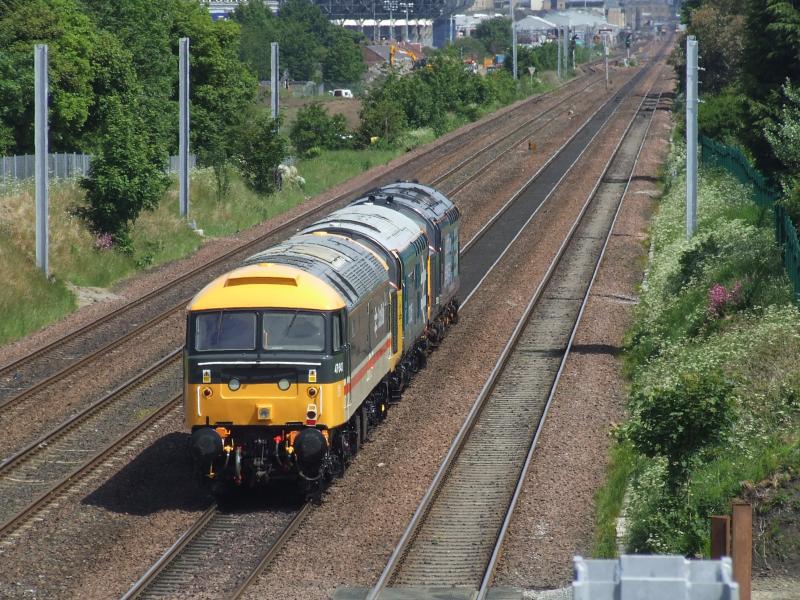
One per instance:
(347, 266)
(268, 285)
(391, 229)
(431, 203)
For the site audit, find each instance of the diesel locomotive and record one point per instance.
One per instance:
(294, 357)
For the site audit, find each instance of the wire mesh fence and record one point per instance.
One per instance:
(766, 195)
(61, 165)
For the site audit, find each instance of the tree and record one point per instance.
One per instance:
(263, 149)
(343, 61)
(70, 36)
(721, 37)
(258, 25)
(144, 29)
(222, 87)
(126, 175)
(495, 34)
(307, 41)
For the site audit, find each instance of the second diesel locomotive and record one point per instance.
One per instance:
(292, 358)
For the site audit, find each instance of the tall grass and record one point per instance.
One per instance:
(28, 300)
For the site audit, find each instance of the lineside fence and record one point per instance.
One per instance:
(714, 154)
(62, 165)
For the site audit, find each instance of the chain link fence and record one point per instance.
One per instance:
(731, 159)
(61, 165)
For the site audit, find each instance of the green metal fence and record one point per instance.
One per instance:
(714, 154)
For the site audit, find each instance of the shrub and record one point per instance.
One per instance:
(678, 417)
(263, 149)
(721, 115)
(313, 127)
(383, 119)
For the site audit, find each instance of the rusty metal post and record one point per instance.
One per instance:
(720, 537)
(742, 526)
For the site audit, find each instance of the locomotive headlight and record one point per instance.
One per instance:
(283, 384)
(234, 384)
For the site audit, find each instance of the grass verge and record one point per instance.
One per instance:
(719, 305)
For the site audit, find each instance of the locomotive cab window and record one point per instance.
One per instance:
(293, 330)
(221, 330)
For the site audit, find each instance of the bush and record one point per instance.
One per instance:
(313, 127)
(263, 149)
(721, 116)
(383, 119)
(126, 175)
(678, 417)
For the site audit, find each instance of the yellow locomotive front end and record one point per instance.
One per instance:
(265, 377)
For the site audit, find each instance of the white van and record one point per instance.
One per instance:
(341, 93)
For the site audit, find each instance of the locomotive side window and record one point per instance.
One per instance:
(220, 330)
(293, 330)
(337, 332)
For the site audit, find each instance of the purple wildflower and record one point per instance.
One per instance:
(103, 241)
(720, 299)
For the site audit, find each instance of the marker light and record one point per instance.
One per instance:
(234, 384)
(283, 384)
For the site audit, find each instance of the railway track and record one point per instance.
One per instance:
(56, 489)
(24, 378)
(195, 556)
(455, 536)
(44, 464)
(40, 467)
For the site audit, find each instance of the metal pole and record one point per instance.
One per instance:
(605, 55)
(274, 76)
(565, 53)
(513, 38)
(183, 134)
(40, 142)
(558, 50)
(407, 23)
(720, 537)
(691, 136)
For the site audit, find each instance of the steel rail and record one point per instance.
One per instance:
(289, 225)
(84, 470)
(470, 159)
(477, 407)
(514, 198)
(172, 552)
(484, 588)
(193, 538)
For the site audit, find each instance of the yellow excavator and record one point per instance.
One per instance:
(416, 62)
